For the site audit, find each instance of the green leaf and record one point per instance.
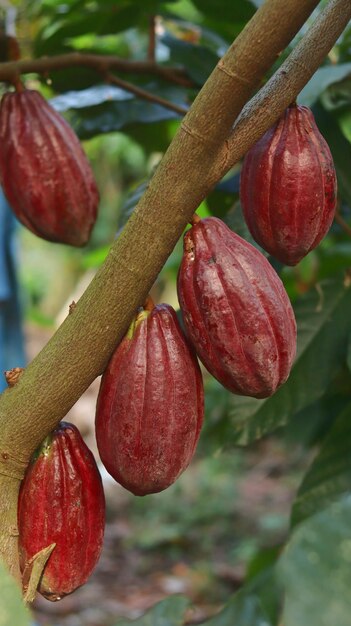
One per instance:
(321, 79)
(104, 109)
(344, 121)
(169, 612)
(236, 222)
(92, 96)
(340, 149)
(315, 569)
(244, 609)
(322, 317)
(348, 356)
(130, 203)
(338, 95)
(226, 11)
(310, 425)
(100, 18)
(330, 473)
(12, 609)
(199, 60)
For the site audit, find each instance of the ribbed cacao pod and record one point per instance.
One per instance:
(44, 172)
(236, 311)
(288, 187)
(62, 501)
(150, 405)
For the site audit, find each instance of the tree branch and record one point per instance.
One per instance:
(81, 347)
(145, 95)
(101, 63)
(281, 90)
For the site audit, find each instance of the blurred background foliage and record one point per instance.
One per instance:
(125, 138)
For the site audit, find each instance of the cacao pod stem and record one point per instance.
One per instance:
(13, 375)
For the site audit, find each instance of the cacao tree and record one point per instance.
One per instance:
(235, 99)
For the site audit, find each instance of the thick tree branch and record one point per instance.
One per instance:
(80, 348)
(270, 102)
(101, 63)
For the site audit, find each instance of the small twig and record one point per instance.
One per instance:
(149, 304)
(344, 225)
(145, 95)
(195, 219)
(152, 39)
(101, 63)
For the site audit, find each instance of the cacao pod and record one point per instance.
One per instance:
(150, 404)
(236, 311)
(288, 187)
(44, 172)
(62, 501)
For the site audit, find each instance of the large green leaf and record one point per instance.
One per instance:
(105, 108)
(323, 78)
(323, 320)
(330, 473)
(311, 425)
(80, 18)
(169, 612)
(315, 569)
(12, 610)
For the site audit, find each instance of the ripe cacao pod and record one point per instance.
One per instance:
(62, 501)
(150, 405)
(44, 172)
(236, 311)
(288, 187)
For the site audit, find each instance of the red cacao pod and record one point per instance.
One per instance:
(150, 405)
(236, 311)
(288, 187)
(44, 172)
(62, 501)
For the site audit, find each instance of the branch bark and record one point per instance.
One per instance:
(101, 63)
(281, 90)
(81, 347)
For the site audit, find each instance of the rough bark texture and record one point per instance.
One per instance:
(80, 349)
(281, 90)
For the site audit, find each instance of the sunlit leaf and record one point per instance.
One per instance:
(104, 109)
(320, 80)
(12, 610)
